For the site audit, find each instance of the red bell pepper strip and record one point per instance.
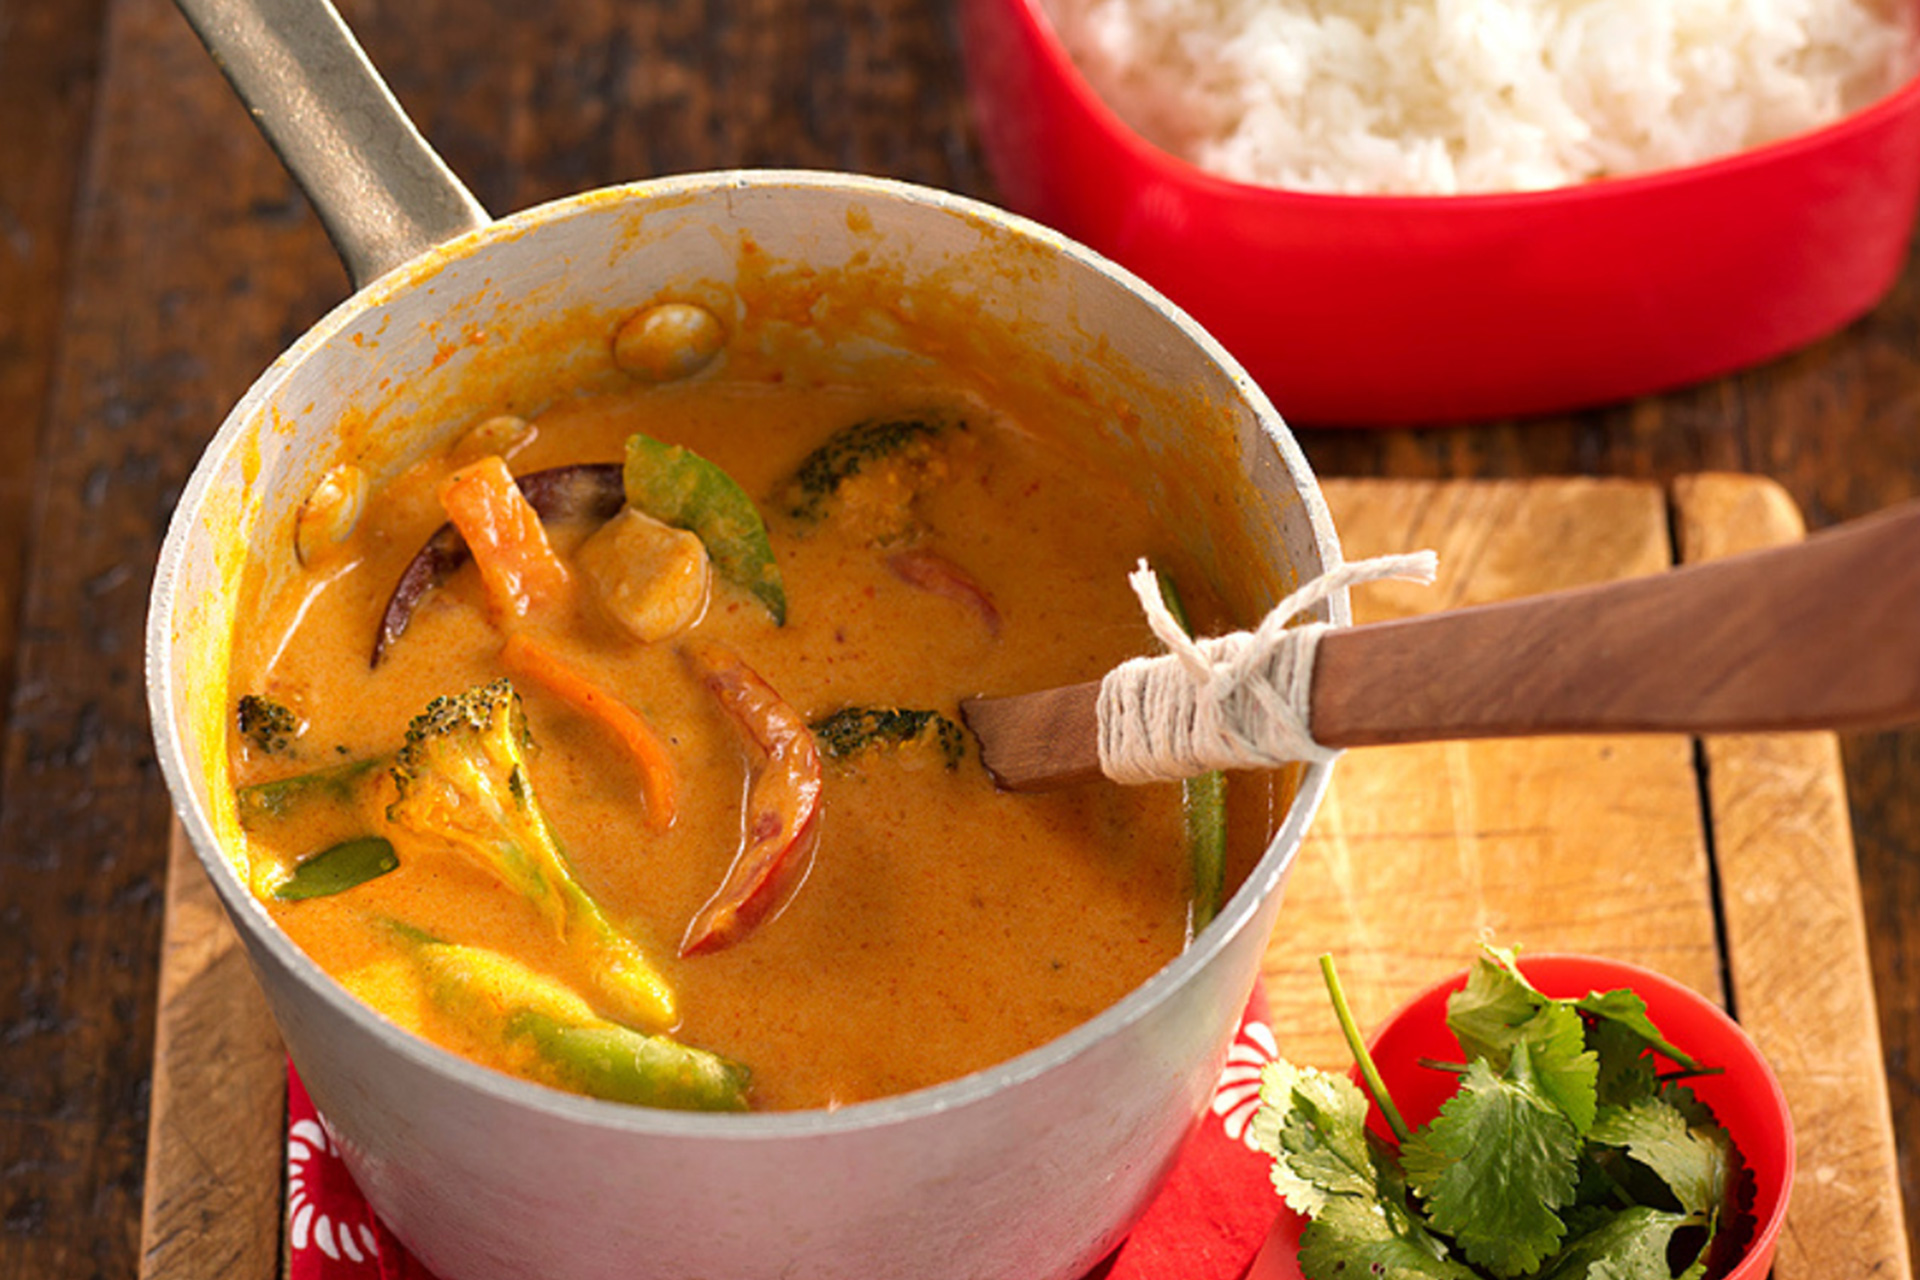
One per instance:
(931, 571)
(783, 800)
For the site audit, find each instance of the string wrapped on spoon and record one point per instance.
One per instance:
(1238, 701)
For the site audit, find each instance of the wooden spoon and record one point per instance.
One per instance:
(1823, 634)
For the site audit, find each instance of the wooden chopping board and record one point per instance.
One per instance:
(1726, 863)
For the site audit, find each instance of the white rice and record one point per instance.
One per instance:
(1445, 97)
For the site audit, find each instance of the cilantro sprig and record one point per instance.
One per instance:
(1572, 1149)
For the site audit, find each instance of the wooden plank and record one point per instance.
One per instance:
(1835, 424)
(1584, 844)
(1884, 796)
(166, 314)
(215, 1140)
(1796, 939)
(49, 61)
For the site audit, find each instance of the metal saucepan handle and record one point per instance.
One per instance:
(381, 192)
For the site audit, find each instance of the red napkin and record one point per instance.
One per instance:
(1207, 1224)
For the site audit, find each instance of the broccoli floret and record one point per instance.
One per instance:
(901, 445)
(462, 781)
(267, 726)
(853, 730)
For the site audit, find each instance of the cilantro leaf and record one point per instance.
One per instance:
(1313, 1124)
(1627, 1071)
(1562, 1155)
(1596, 1195)
(1692, 1163)
(1499, 1008)
(1375, 1238)
(1494, 1165)
(1629, 1245)
(1488, 1012)
(1562, 1065)
(1733, 1216)
(1630, 1011)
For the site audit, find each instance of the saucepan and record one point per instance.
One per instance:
(1035, 1168)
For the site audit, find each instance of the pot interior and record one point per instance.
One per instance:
(852, 274)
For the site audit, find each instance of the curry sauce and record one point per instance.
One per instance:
(927, 925)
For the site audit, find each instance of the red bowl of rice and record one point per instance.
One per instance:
(1392, 309)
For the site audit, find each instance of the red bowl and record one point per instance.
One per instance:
(1395, 309)
(1745, 1096)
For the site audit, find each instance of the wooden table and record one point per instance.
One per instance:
(153, 258)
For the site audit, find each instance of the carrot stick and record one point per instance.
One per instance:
(529, 659)
(517, 565)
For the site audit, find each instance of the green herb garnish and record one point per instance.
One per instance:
(1568, 1152)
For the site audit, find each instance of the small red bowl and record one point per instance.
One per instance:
(1745, 1096)
(1353, 310)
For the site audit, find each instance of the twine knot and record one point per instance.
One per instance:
(1238, 701)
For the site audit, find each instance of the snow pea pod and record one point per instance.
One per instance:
(611, 1061)
(336, 784)
(677, 486)
(338, 868)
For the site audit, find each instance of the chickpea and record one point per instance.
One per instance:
(669, 341)
(328, 516)
(502, 435)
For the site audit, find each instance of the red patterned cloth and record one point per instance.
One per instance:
(332, 1234)
(1207, 1224)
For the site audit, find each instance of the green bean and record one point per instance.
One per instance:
(1203, 803)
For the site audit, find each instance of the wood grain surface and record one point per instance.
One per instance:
(1594, 844)
(1795, 939)
(216, 1155)
(153, 259)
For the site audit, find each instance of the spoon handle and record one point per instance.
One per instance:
(1822, 634)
